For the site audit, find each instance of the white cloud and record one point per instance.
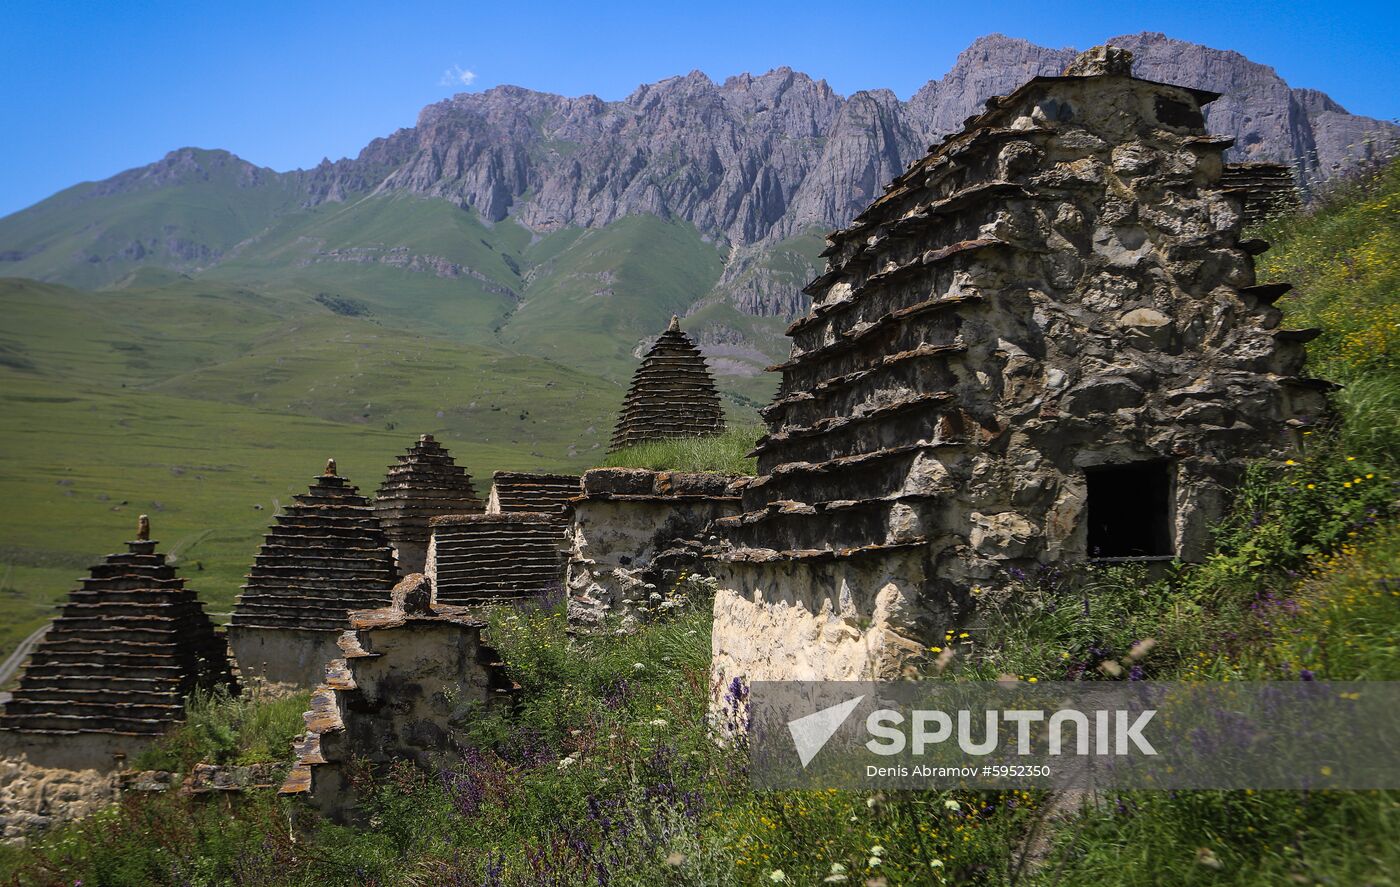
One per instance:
(457, 76)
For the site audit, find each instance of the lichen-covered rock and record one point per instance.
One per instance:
(634, 533)
(1044, 343)
(404, 689)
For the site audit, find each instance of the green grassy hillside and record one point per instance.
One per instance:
(224, 339)
(182, 213)
(206, 405)
(607, 771)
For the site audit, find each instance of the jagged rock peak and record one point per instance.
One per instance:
(1100, 61)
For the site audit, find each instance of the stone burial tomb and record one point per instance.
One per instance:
(634, 532)
(514, 551)
(1267, 189)
(326, 555)
(422, 484)
(672, 394)
(127, 647)
(111, 675)
(408, 676)
(1044, 343)
(513, 492)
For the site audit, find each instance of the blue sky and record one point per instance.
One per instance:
(89, 89)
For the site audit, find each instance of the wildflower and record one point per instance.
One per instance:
(638, 666)
(834, 878)
(777, 876)
(872, 862)
(1289, 462)
(1032, 679)
(838, 869)
(675, 859)
(1110, 668)
(935, 649)
(935, 863)
(1064, 655)
(1206, 857)
(1142, 648)
(877, 850)
(964, 635)
(1351, 458)
(1312, 486)
(658, 722)
(952, 805)
(568, 762)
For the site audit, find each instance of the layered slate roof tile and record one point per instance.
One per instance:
(478, 558)
(126, 648)
(327, 554)
(515, 492)
(1267, 189)
(422, 484)
(672, 394)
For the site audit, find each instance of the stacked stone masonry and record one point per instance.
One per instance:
(1266, 189)
(407, 679)
(672, 394)
(126, 648)
(326, 555)
(479, 558)
(421, 485)
(634, 532)
(515, 492)
(1055, 293)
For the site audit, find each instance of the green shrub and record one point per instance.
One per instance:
(250, 728)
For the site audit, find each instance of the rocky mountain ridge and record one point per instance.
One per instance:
(752, 162)
(769, 156)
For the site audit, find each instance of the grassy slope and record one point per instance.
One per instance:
(646, 798)
(591, 302)
(57, 236)
(199, 401)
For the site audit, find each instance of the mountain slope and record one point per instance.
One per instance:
(746, 161)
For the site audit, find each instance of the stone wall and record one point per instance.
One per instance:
(1044, 344)
(635, 531)
(410, 677)
(46, 779)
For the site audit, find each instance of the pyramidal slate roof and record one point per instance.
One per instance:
(424, 483)
(127, 646)
(672, 394)
(326, 554)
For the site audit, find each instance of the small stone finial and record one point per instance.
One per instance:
(330, 468)
(414, 595)
(143, 528)
(425, 438)
(1101, 61)
(675, 326)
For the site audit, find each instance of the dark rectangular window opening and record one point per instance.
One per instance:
(1130, 510)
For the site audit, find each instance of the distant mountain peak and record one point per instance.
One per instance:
(749, 161)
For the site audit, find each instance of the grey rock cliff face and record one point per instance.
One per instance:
(760, 158)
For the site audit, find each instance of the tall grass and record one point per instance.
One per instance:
(251, 728)
(1343, 259)
(726, 453)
